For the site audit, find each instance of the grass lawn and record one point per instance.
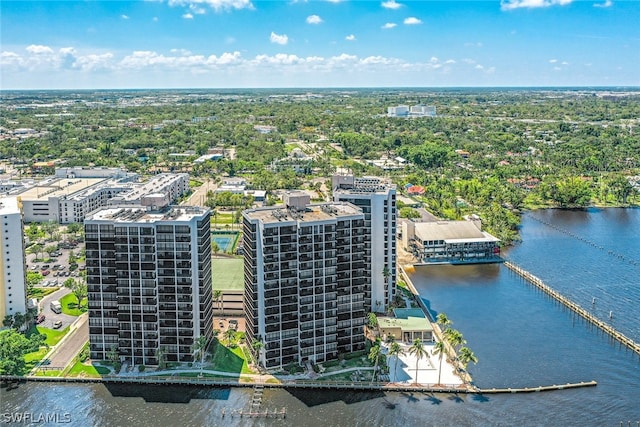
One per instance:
(222, 218)
(69, 304)
(53, 335)
(82, 370)
(41, 292)
(229, 360)
(32, 359)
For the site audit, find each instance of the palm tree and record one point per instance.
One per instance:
(374, 356)
(417, 349)
(395, 350)
(455, 338)
(257, 346)
(161, 356)
(438, 349)
(467, 356)
(200, 348)
(230, 334)
(217, 296)
(443, 321)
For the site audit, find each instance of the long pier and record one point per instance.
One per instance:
(299, 384)
(537, 282)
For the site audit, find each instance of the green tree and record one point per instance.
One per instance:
(467, 356)
(408, 212)
(455, 338)
(438, 350)
(258, 347)
(161, 357)
(395, 350)
(78, 288)
(443, 321)
(374, 356)
(419, 352)
(200, 349)
(36, 249)
(571, 192)
(230, 334)
(13, 347)
(49, 249)
(7, 322)
(217, 296)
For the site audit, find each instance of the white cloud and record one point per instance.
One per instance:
(389, 25)
(39, 49)
(181, 51)
(565, 63)
(450, 61)
(279, 39)
(94, 62)
(181, 61)
(155, 19)
(391, 4)
(217, 5)
(197, 9)
(124, 17)
(553, 61)
(607, 3)
(350, 37)
(187, 16)
(412, 21)
(67, 51)
(531, 4)
(314, 19)
(335, 1)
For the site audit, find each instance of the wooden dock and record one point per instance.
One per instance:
(628, 342)
(538, 389)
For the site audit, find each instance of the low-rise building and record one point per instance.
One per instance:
(406, 325)
(451, 242)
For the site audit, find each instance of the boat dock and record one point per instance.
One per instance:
(537, 282)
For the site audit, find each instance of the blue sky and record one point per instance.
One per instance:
(314, 43)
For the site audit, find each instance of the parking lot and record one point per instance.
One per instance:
(50, 317)
(56, 270)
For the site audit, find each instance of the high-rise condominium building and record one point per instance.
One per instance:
(13, 290)
(305, 280)
(377, 199)
(149, 282)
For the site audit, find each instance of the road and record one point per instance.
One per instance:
(200, 195)
(72, 345)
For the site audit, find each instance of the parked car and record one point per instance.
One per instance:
(45, 266)
(57, 324)
(40, 318)
(45, 272)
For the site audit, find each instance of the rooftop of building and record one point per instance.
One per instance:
(459, 231)
(407, 319)
(8, 205)
(58, 187)
(141, 214)
(319, 212)
(151, 186)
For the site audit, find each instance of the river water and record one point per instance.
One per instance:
(521, 337)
